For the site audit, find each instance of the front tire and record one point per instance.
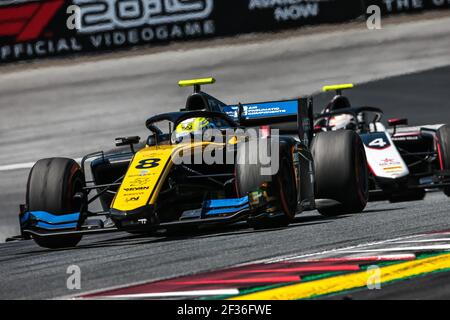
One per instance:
(52, 185)
(443, 136)
(341, 172)
(249, 178)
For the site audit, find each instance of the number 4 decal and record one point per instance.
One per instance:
(376, 140)
(378, 143)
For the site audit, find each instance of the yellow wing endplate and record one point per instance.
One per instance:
(338, 87)
(196, 82)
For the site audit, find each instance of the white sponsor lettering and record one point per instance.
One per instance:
(39, 48)
(403, 5)
(285, 10)
(107, 15)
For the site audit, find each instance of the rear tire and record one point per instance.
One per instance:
(341, 171)
(443, 135)
(249, 178)
(51, 187)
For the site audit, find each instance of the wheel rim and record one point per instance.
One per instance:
(286, 198)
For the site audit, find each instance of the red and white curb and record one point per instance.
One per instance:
(280, 270)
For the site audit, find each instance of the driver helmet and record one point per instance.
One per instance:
(192, 126)
(343, 121)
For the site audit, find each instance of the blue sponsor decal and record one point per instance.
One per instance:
(264, 109)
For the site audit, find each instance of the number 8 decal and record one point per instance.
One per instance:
(148, 163)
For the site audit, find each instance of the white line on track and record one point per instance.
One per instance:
(424, 240)
(194, 293)
(360, 248)
(383, 257)
(24, 165)
(416, 248)
(17, 166)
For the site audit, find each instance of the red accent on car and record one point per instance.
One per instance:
(371, 170)
(311, 268)
(397, 121)
(265, 131)
(441, 161)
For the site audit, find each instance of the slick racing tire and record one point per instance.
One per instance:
(249, 178)
(443, 136)
(51, 187)
(341, 172)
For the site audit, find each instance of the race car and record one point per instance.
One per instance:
(404, 161)
(170, 185)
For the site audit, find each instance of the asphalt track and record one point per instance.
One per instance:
(42, 110)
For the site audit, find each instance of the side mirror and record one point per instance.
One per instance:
(397, 122)
(128, 141)
(152, 140)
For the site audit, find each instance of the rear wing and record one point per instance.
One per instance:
(354, 111)
(298, 111)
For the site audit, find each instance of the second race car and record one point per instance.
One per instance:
(404, 161)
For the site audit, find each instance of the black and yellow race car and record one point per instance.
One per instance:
(200, 166)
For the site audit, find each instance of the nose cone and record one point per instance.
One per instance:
(143, 217)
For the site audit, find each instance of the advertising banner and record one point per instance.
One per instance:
(389, 7)
(45, 28)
